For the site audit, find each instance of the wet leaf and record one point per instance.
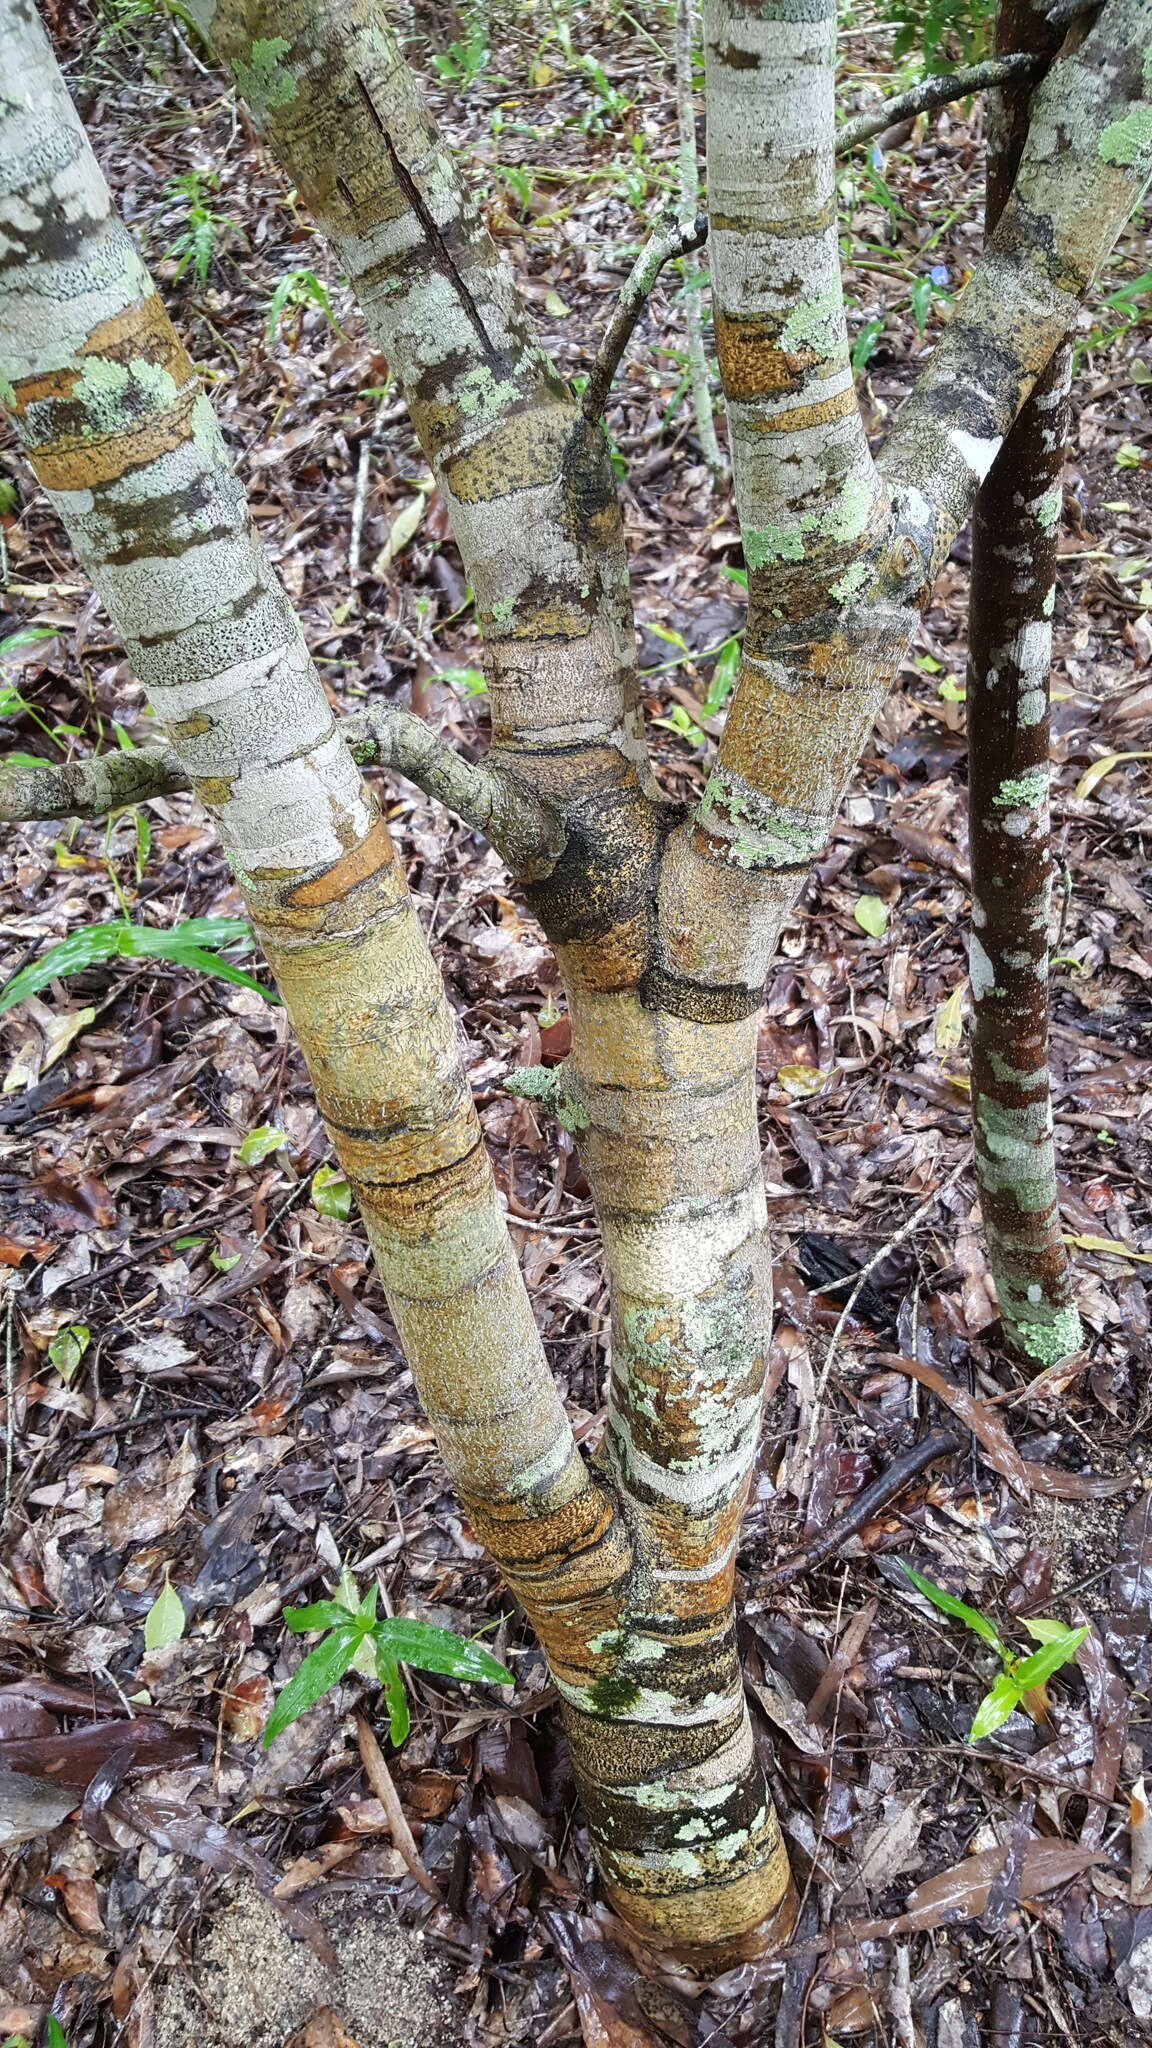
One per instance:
(799, 1081)
(949, 1026)
(67, 1349)
(871, 914)
(999, 1702)
(1051, 1657)
(949, 1604)
(323, 1668)
(165, 1620)
(436, 1649)
(260, 1144)
(1108, 1244)
(331, 1194)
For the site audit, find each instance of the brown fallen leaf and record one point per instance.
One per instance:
(30, 1807)
(323, 2030)
(308, 1870)
(1024, 1475)
(961, 1893)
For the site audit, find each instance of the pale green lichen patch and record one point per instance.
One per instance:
(1023, 792)
(1031, 707)
(638, 1325)
(264, 81)
(1047, 508)
(116, 395)
(817, 324)
(981, 972)
(1124, 142)
(1049, 1341)
(846, 586)
(845, 519)
(503, 609)
(482, 396)
(763, 834)
(549, 1086)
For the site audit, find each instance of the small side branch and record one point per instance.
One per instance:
(937, 91)
(689, 175)
(523, 830)
(672, 238)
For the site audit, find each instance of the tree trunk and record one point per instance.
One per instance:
(1014, 534)
(663, 923)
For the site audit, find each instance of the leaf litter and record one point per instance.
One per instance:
(240, 1424)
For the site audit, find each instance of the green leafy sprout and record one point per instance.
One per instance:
(196, 943)
(194, 244)
(354, 1638)
(1020, 1675)
(296, 291)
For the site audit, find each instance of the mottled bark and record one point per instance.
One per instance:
(1014, 536)
(126, 445)
(663, 925)
(525, 831)
(928, 94)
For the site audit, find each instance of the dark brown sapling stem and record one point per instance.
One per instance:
(1015, 530)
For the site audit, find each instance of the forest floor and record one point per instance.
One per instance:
(204, 1389)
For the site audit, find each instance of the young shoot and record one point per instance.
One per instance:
(353, 1637)
(1022, 1680)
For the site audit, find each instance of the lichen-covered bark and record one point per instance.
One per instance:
(121, 436)
(813, 514)
(1015, 529)
(1085, 163)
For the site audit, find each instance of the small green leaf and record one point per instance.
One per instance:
(183, 945)
(395, 1697)
(995, 1707)
(165, 1620)
(948, 1604)
(224, 1261)
(26, 636)
(55, 2036)
(1042, 1631)
(68, 1347)
(331, 1194)
(871, 915)
(260, 1144)
(1042, 1663)
(437, 1649)
(321, 1614)
(322, 1668)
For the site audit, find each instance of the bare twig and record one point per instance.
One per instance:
(937, 91)
(486, 797)
(939, 1443)
(380, 1778)
(671, 238)
(906, 1229)
(689, 171)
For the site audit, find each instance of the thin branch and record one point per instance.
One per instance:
(937, 91)
(487, 797)
(380, 1778)
(939, 1443)
(671, 238)
(689, 177)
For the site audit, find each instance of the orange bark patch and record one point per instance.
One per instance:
(752, 363)
(374, 852)
(68, 450)
(800, 416)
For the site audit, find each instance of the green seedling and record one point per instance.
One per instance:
(195, 243)
(295, 292)
(355, 1638)
(195, 943)
(1022, 1680)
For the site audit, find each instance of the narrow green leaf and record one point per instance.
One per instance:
(260, 1144)
(55, 2037)
(322, 1668)
(395, 1697)
(948, 1604)
(82, 949)
(367, 1607)
(321, 1614)
(165, 1620)
(1042, 1663)
(437, 1649)
(995, 1707)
